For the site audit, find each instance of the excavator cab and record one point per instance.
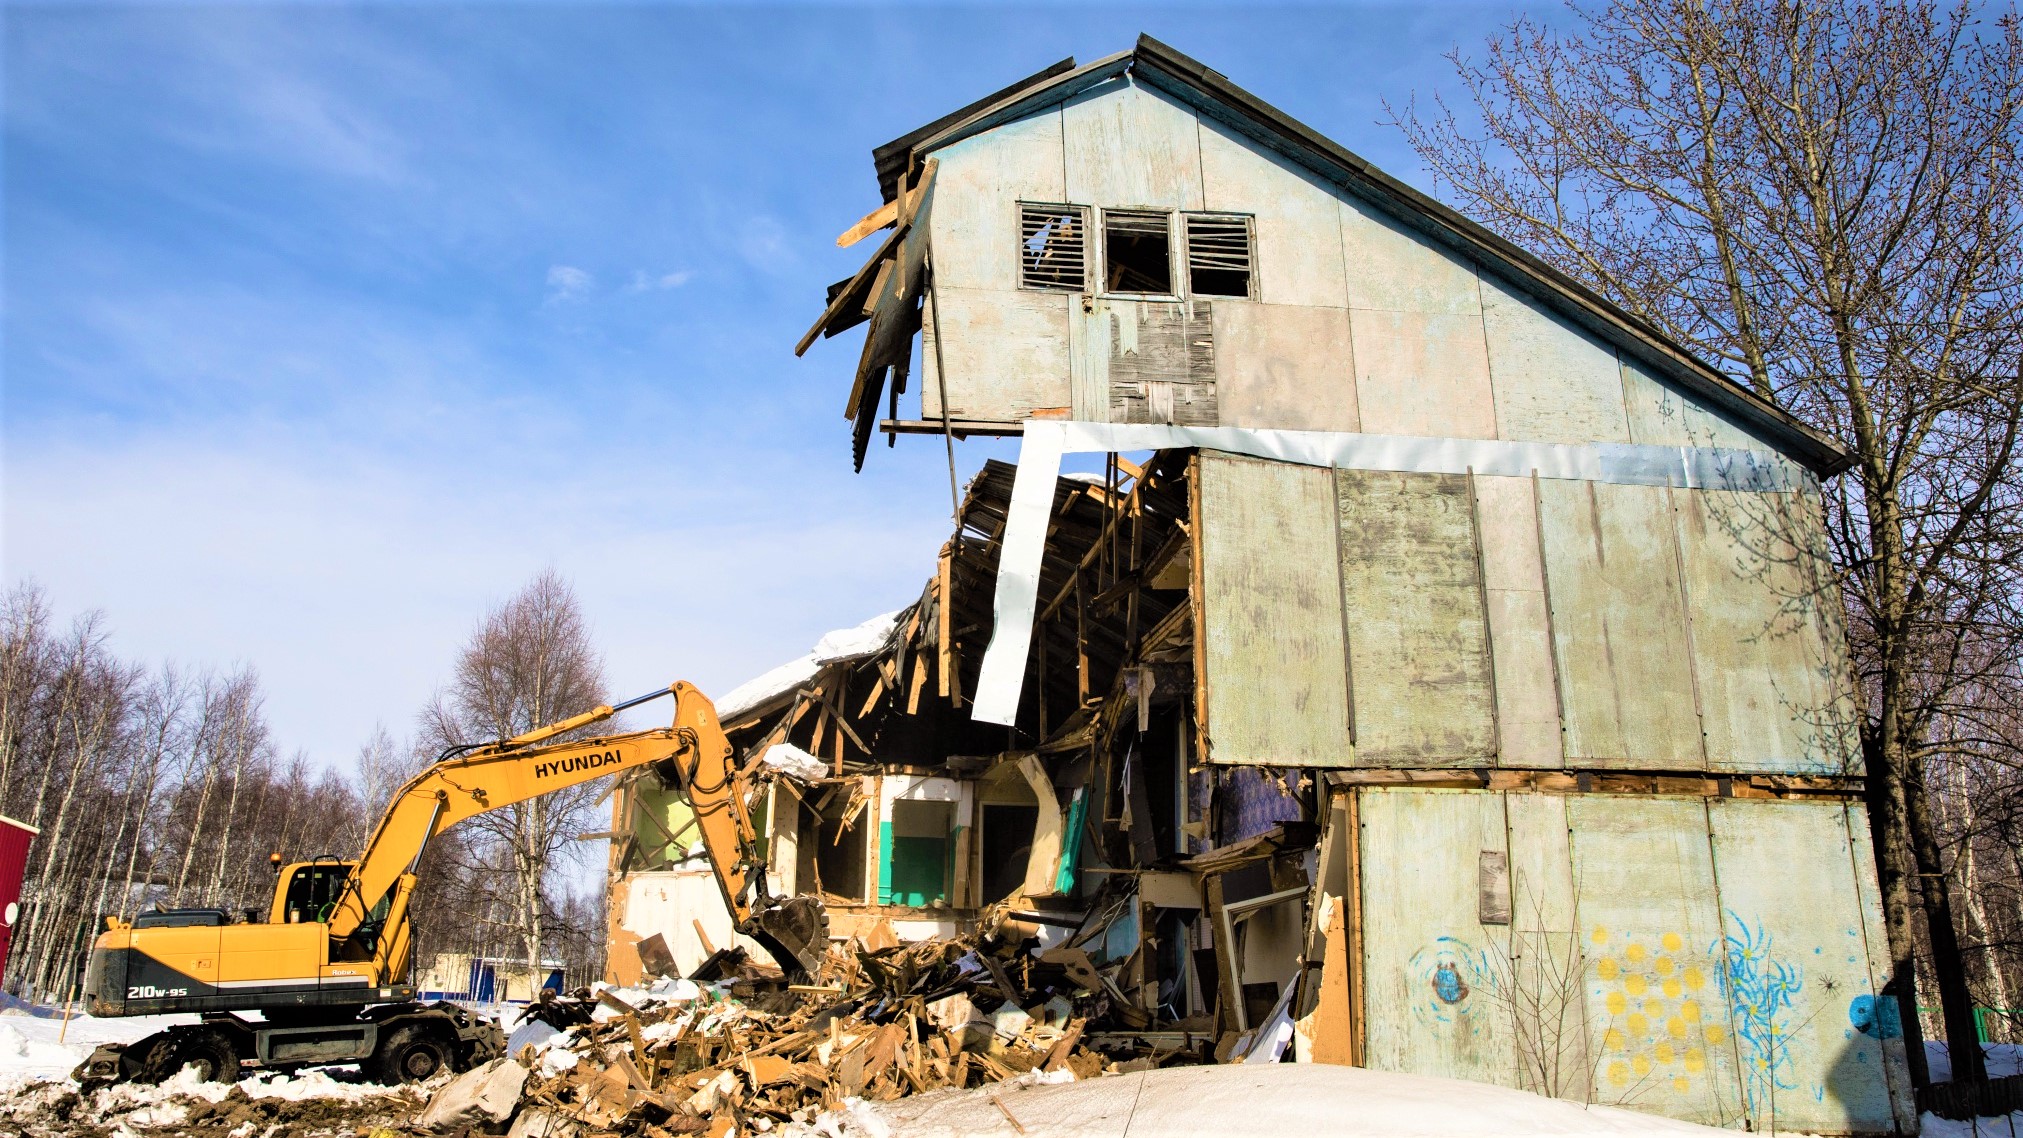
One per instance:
(308, 890)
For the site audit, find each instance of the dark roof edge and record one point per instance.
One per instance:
(1211, 92)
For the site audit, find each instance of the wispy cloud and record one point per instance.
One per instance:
(568, 284)
(643, 281)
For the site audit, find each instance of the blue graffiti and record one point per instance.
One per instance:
(1445, 974)
(1876, 1017)
(1759, 991)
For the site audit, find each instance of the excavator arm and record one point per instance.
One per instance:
(471, 781)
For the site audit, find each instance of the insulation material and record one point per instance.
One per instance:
(1418, 639)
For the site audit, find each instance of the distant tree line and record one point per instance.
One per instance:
(163, 785)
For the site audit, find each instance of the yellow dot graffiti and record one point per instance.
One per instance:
(1673, 942)
(1641, 1064)
(1619, 1072)
(1676, 1027)
(1715, 1035)
(1614, 1040)
(1672, 988)
(1616, 1003)
(1689, 1010)
(1694, 978)
(1635, 953)
(1607, 969)
(1664, 1054)
(1637, 1024)
(1696, 1060)
(1634, 984)
(1601, 935)
(1663, 966)
(1681, 1084)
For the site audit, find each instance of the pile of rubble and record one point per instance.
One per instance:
(736, 1047)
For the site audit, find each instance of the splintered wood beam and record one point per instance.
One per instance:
(945, 612)
(870, 223)
(919, 683)
(877, 691)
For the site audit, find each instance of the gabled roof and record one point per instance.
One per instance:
(1212, 94)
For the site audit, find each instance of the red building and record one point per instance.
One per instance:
(14, 839)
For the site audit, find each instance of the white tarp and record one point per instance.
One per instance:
(1046, 440)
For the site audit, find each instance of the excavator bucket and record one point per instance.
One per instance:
(795, 931)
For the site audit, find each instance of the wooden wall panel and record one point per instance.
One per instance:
(1656, 1017)
(1766, 669)
(1299, 248)
(1619, 627)
(1548, 1011)
(1661, 415)
(1520, 628)
(1885, 1020)
(1553, 384)
(976, 194)
(1418, 639)
(1127, 145)
(1006, 352)
(1284, 366)
(1430, 966)
(1390, 267)
(1162, 362)
(1796, 967)
(1422, 374)
(1274, 665)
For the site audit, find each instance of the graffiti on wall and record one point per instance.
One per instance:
(1449, 977)
(1760, 990)
(1651, 987)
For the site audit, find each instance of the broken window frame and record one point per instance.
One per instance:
(1137, 213)
(1028, 260)
(1214, 254)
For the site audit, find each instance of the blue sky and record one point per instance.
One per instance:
(327, 326)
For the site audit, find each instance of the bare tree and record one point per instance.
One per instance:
(529, 662)
(1821, 195)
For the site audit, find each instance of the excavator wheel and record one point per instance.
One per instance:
(207, 1049)
(411, 1054)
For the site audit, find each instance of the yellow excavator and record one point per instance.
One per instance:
(328, 969)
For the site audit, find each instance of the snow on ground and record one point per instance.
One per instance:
(29, 1050)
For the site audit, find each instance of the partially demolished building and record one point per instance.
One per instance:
(1444, 674)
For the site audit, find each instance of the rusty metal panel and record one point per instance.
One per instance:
(1391, 267)
(1418, 640)
(1274, 666)
(1284, 366)
(1127, 145)
(1795, 972)
(1660, 415)
(1162, 362)
(981, 180)
(1431, 970)
(1657, 1020)
(1421, 373)
(1884, 1020)
(1006, 352)
(1619, 626)
(1766, 667)
(1297, 223)
(1544, 985)
(1520, 630)
(1553, 384)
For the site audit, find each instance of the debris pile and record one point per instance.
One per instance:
(737, 1046)
(309, 1104)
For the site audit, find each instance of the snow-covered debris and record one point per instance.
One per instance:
(842, 644)
(795, 762)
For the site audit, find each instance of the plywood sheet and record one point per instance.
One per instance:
(1431, 970)
(1767, 670)
(1418, 638)
(1127, 145)
(1661, 415)
(1274, 665)
(1006, 353)
(1422, 374)
(1162, 362)
(1284, 366)
(1545, 999)
(1520, 627)
(1619, 626)
(1657, 1022)
(1795, 966)
(1297, 226)
(1885, 1019)
(977, 189)
(1553, 384)
(1391, 267)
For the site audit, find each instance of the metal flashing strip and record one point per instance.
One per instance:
(1046, 440)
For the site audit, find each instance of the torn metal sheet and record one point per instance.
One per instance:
(1045, 441)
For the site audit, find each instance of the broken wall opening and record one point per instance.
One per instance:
(919, 854)
(833, 844)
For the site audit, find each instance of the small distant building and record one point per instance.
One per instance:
(488, 979)
(1442, 661)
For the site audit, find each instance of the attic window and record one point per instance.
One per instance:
(1137, 252)
(1053, 247)
(1218, 255)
